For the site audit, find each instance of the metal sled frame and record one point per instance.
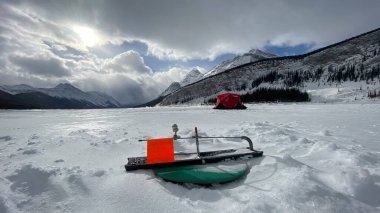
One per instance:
(135, 163)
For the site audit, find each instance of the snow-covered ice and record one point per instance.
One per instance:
(318, 158)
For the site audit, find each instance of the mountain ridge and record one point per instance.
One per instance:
(296, 56)
(64, 93)
(251, 56)
(195, 75)
(354, 48)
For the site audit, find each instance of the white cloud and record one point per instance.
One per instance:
(31, 59)
(173, 74)
(128, 62)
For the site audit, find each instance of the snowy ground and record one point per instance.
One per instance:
(346, 92)
(318, 158)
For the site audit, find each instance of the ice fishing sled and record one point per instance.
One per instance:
(208, 167)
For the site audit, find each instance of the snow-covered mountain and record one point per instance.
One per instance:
(252, 56)
(16, 89)
(103, 99)
(191, 77)
(172, 88)
(62, 92)
(348, 70)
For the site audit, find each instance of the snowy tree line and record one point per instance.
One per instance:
(334, 74)
(373, 94)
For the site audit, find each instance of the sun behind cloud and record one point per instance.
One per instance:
(88, 36)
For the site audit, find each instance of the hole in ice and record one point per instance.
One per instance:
(29, 152)
(77, 181)
(30, 180)
(5, 138)
(99, 173)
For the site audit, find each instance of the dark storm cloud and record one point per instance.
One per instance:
(204, 29)
(43, 66)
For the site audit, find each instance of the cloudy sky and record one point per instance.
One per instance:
(133, 50)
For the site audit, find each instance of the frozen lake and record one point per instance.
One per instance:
(318, 158)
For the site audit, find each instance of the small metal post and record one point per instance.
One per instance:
(175, 130)
(197, 141)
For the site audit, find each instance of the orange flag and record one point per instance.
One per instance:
(160, 150)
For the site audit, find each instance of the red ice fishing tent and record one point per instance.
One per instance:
(229, 101)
